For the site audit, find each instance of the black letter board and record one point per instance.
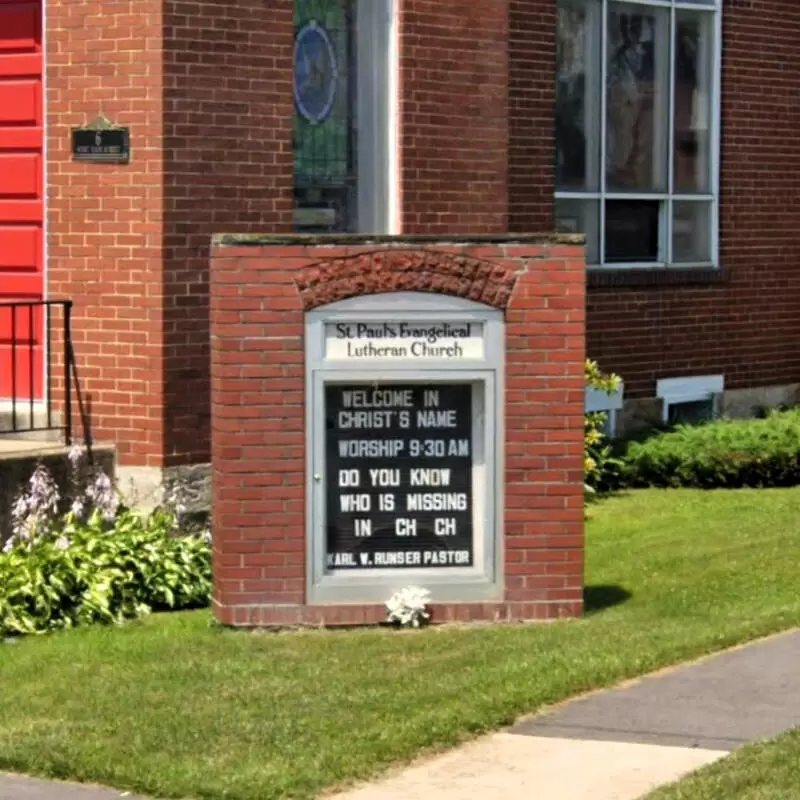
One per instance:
(398, 476)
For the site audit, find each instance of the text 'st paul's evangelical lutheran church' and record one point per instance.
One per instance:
(402, 340)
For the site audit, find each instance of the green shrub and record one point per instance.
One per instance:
(720, 454)
(597, 458)
(91, 574)
(98, 562)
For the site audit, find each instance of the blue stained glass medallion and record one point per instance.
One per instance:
(316, 73)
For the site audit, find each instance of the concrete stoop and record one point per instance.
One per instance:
(34, 422)
(19, 456)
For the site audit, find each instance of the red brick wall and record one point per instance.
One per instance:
(105, 221)
(216, 180)
(130, 243)
(531, 99)
(206, 90)
(205, 87)
(745, 327)
(454, 116)
(258, 296)
(228, 167)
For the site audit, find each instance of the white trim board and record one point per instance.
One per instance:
(598, 400)
(377, 113)
(689, 390)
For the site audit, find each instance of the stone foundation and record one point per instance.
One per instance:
(145, 486)
(742, 403)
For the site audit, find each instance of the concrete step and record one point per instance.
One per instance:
(31, 445)
(25, 420)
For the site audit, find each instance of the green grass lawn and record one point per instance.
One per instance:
(175, 707)
(769, 771)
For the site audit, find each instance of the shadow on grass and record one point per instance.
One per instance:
(599, 598)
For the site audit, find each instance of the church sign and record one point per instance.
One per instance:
(403, 478)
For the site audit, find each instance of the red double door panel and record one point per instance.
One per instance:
(21, 196)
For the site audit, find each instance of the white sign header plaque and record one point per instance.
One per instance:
(409, 340)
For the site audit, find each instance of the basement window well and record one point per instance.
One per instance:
(690, 400)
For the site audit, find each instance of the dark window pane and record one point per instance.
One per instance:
(691, 413)
(637, 97)
(577, 95)
(632, 231)
(694, 72)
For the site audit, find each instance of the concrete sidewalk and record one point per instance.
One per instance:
(619, 744)
(616, 744)
(505, 766)
(14, 787)
(720, 703)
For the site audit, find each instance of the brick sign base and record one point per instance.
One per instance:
(261, 289)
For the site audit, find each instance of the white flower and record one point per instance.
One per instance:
(62, 543)
(409, 606)
(76, 453)
(176, 499)
(20, 510)
(78, 507)
(102, 496)
(34, 511)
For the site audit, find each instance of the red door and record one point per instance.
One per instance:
(21, 194)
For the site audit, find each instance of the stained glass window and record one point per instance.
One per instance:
(325, 169)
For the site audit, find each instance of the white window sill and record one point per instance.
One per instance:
(654, 265)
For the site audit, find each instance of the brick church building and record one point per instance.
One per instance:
(662, 129)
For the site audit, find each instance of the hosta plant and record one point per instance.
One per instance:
(98, 561)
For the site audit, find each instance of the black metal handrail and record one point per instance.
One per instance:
(26, 345)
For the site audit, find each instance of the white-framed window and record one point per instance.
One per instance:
(345, 97)
(690, 400)
(597, 400)
(637, 130)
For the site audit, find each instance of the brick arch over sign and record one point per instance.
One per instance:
(407, 270)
